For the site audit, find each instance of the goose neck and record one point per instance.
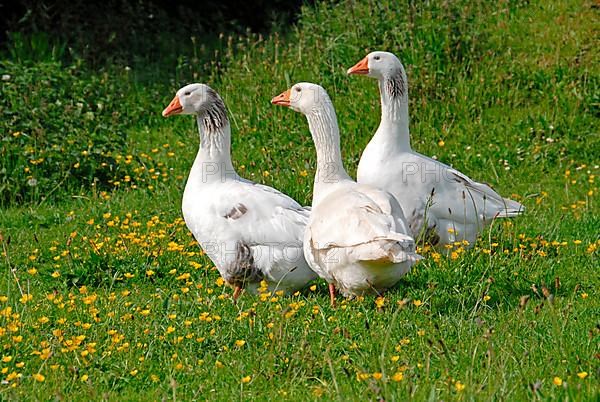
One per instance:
(324, 129)
(213, 161)
(394, 110)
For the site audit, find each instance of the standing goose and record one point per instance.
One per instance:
(356, 238)
(251, 232)
(440, 202)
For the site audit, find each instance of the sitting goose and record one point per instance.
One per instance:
(440, 203)
(251, 232)
(356, 238)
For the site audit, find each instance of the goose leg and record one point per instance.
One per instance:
(237, 291)
(332, 294)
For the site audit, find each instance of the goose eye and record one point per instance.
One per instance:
(187, 93)
(376, 57)
(298, 89)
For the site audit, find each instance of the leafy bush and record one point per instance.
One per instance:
(59, 129)
(139, 31)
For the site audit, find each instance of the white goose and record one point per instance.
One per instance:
(356, 238)
(440, 203)
(250, 231)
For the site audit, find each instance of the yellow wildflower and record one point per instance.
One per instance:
(363, 376)
(398, 376)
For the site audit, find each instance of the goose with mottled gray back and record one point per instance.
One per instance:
(356, 238)
(251, 232)
(441, 204)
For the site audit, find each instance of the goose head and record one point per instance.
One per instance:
(377, 65)
(192, 99)
(303, 97)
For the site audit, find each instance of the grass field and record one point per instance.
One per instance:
(105, 294)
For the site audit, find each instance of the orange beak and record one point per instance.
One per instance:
(283, 99)
(362, 67)
(173, 108)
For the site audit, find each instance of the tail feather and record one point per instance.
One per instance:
(400, 247)
(403, 239)
(404, 256)
(394, 247)
(511, 209)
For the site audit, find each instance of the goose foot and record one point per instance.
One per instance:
(332, 294)
(237, 291)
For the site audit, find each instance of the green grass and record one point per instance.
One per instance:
(125, 307)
